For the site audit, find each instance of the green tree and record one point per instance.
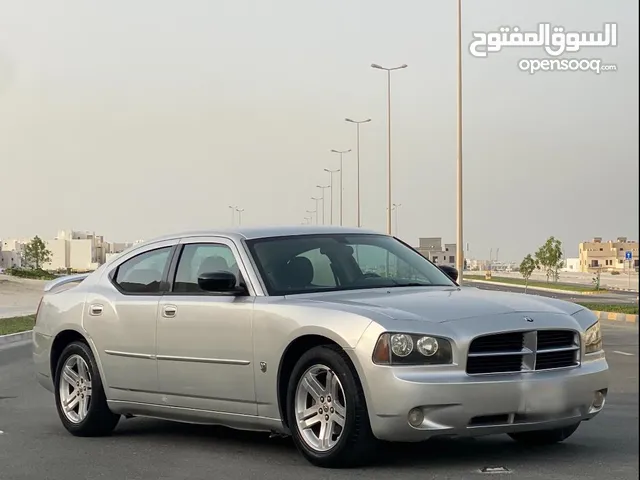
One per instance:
(549, 258)
(36, 253)
(527, 266)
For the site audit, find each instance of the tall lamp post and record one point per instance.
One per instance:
(311, 212)
(331, 172)
(239, 210)
(388, 70)
(396, 206)
(322, 189)
(459, 236)
(341, 153)
(358, 161)
(317, 199)
(233, 214)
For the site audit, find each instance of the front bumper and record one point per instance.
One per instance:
(456, 404)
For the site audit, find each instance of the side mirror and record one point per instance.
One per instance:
(219, 282)
(450, 272)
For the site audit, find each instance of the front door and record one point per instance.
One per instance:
(205, 340)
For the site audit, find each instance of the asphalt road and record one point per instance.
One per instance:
(34, 445)
(611, 297)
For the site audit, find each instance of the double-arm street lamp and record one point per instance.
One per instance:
(358, 123)
(388, 70)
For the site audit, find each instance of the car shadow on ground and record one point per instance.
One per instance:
(472, 453)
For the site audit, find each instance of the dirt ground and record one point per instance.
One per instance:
(19, 296)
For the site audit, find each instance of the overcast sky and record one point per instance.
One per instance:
(139, 118)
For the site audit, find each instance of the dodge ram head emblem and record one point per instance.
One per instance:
(528, 319)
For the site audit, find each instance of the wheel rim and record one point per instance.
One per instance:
(320, 408)
(75, 389)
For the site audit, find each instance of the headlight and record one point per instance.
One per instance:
(593, 339)
(412, 349)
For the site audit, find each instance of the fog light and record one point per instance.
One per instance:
(599, 399)
(416, 417)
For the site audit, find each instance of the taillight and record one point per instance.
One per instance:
(38, 310)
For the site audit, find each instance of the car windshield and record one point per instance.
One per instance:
(335, 262)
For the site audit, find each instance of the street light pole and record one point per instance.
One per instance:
(317, 199)
(396, 206)
(322, 189)
(233, 216)
(311, 217)
(388, 70)
(358, 161)
(331, 172)
(341, 152)
(239, 210)
(459, 239)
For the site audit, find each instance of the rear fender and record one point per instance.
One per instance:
(78, 329)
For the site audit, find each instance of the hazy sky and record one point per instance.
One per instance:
(138, 118)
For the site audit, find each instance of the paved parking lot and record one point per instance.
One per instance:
(34, 445)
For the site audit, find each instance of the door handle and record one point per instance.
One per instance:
(169, 311)
(95, 310)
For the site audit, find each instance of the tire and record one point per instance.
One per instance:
(95, 419)
(354, 444)
(545, 437)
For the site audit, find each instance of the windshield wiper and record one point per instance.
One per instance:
(418, 284)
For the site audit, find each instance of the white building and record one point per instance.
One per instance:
(11, 251)
(571, 265)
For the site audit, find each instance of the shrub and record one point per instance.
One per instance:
(35, 274)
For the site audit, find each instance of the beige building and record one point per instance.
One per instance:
(432, 248)
(80, 251)
(607, 256)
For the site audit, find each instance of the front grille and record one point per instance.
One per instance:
(523, 351)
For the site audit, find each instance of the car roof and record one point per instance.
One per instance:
(252, 233)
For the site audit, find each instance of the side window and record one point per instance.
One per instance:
(199, 258)
(322, 272)
(143, 273)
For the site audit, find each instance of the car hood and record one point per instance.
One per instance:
(441, 304)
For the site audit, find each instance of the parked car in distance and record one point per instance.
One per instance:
(339, 337)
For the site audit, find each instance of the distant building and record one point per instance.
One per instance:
(80, 251)
(431, 247)
(11, 251)
(608, 256)
(571, 265)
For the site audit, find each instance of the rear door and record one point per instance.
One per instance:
(121, 319)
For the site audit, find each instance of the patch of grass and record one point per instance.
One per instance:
(616, 308)
(536, 283)
(16, 324)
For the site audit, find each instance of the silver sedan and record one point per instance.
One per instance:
(338, 337)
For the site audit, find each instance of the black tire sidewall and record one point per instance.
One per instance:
(97, 393)
(328, 357)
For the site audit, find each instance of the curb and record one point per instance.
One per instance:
(617, 317)
(539, 289)
(15, 337)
